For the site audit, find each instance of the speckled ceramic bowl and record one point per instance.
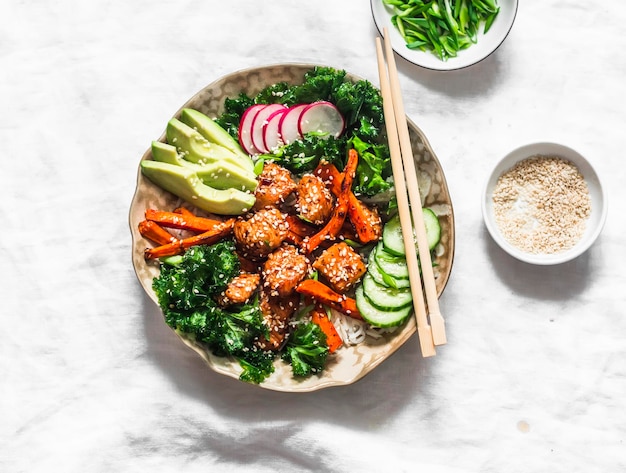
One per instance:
(593, 225)
(349, 363)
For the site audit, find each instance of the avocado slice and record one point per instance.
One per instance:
(196, 148)
(208, 128)
(185, 183)
(220, 175)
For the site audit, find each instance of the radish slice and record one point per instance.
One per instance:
(245, 129)
(321, 117)
(288, 126)
(271, 135)
(259, 122)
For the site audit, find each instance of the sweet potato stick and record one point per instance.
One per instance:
(181, 221)
(325, 295)
(179, 246)
(155, 233)
(333, 226)
(358, 213)
(320, 318)
(184, 211)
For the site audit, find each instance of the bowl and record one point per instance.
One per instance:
(580, 209)
(485, 45)
(350, 363)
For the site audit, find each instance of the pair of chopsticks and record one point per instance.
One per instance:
(431, 326)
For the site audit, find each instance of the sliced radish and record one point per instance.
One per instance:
(271, 135)
(321, 117)
(245, 129)
(259, 122)
(288, 126)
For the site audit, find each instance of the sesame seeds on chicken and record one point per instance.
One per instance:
(315, 202)
(341, 266)
(275, 186)
(261, 233)
(283, 270)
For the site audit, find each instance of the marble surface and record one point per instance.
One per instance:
(534, 373)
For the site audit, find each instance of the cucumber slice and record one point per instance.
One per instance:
(381, 278)
(385, 298)
(433, 228)
(377, 317)
(392, 265)
(392, 233)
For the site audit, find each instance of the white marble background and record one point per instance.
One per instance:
(533, 378)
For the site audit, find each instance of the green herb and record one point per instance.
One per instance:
(443, 27)
(186, 294)
(306, 350)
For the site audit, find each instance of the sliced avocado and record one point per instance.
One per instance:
(225, 175)
(220, 175)
(166, 153)
(208, 128)
(185, 183)
(196, 148)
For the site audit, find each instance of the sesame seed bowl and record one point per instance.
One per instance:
(544, 204)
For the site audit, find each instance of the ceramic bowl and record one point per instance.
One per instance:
(349, 363)
(485, 45)
(594, 222)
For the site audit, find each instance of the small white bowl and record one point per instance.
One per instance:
(598, 197)
(485, 45)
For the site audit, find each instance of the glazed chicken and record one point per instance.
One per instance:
(283, 270)
(315, 202)
(240, 289)
(341, 266)
(276, 314)
(260, 234)
(275, 185)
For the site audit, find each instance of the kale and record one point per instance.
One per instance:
(306, 350)
(304, 155)
(186, 292)
(233, 111)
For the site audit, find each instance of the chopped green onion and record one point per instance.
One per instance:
(442, 27)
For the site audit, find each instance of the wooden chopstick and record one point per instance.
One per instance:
(437, 322)
(423, 328)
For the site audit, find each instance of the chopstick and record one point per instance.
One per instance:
(436, 319)
(423, 328)
(405, 179)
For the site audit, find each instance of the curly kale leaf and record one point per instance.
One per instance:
(233, 111)
(304, 155)
(186, 295)
(306, 350)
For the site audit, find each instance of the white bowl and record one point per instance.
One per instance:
(485, 44)
(594, 223)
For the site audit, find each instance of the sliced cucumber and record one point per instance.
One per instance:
(381, 278)
(433, 228)
(392, 233)
(392, 237)
(383, 297)
(377, 317)
(392, 265)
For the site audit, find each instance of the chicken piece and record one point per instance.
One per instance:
(341, 266)
(260, 234)
(277, 311)
(240, 289)
(283, 270)
(275, 185)
(315, 201)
